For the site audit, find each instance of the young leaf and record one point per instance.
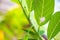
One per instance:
(43, 10)
(33, 21)
(54, 25)
(29, 4)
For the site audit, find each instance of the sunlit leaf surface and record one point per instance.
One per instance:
(43, 10)
(54, 25)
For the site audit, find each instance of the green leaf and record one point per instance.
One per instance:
(29, 5)
(41, 32)
(26, 37)
(54, 25)
(57, 37)
(24, 6)
(30, 32)
(43, 10)
(33, 21)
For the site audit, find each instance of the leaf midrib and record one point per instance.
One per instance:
(30, 6)
(42, 8)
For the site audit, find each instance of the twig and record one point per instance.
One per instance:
(24, 11)
(44, 36)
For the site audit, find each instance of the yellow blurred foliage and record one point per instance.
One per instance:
(1, 35)
(16, 20)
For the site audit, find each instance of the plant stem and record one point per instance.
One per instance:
(24, 11)
(31, 23)
(25, 14)
(44, 36)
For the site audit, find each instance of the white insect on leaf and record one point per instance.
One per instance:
(42, 19)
